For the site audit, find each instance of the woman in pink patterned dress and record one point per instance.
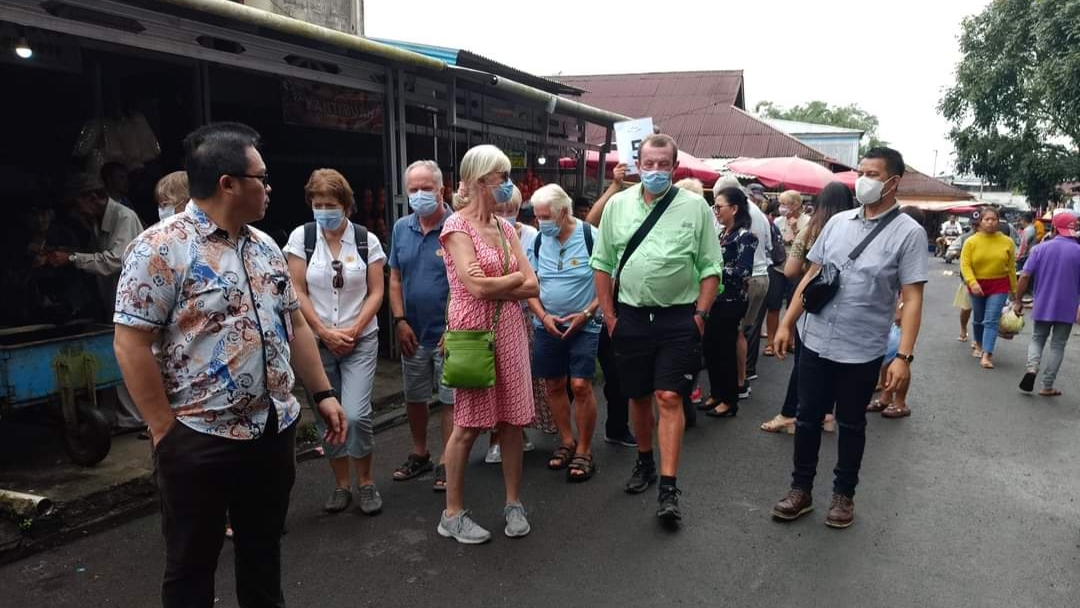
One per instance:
(478, 246)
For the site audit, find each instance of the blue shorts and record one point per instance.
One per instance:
(555, 358)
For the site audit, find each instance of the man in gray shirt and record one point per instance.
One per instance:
(845, 342)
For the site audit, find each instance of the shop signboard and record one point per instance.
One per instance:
(327, 106)
(628, 137)
(518, 159)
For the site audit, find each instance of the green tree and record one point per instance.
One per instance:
(850, 116)
(1015, 105)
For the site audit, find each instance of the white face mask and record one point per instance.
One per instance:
(165, 213)
(868, 190)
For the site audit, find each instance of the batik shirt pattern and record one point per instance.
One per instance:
(223, 310)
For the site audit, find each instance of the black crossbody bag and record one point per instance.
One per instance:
(642, 232)
(823, 287)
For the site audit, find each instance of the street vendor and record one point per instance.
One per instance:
(114, 226)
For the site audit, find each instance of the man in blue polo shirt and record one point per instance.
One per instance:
(418, 292)
(567, 332)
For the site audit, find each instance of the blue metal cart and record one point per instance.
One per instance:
(70, 369)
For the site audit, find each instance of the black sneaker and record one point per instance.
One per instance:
(744, 392)
(626, 440)
(668, 510)
(644, 475)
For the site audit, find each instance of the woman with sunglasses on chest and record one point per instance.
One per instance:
(722, 327)
(337, 270)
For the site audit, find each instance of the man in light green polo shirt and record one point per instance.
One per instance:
(666, 289)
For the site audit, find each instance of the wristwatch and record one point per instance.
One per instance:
(321, 396)
(73, 258)
(905, 357)
(398, 320)
(704, 314)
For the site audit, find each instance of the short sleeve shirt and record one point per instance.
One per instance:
(223, 311)
(338, 308)
(419, 259)
(566, 280)
(669, 265)
(854, 326)
(1055, 265)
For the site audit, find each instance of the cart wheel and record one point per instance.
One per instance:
(90, 444)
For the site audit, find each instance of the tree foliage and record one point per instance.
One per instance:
(1015, 105)
(850, 116)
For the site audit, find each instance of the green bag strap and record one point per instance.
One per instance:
(506, 270)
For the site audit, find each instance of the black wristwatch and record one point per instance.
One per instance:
(321, 396)
(398, 320)
(903, 357)
(704, 314)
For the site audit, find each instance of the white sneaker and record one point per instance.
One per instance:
(528, 446)
(463, 529)
(494, 455)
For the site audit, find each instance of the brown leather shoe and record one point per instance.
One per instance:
(794, 505)
(841, 512)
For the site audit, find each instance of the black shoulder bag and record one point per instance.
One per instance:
(823, 287)
(643, 231)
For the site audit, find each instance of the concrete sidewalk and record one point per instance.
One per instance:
(120, 487)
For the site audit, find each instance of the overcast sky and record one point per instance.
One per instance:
(892, 58)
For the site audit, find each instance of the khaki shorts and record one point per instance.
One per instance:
(756, 290)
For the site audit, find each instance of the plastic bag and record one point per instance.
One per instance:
(894, 343)
(1010, 324)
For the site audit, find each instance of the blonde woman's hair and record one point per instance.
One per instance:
(553, 196)
(692, 184)
(478, 162)
(172, 189)
(792, 196)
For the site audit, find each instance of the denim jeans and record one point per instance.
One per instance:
(1057, 349)
(986, 312)
(821, 384)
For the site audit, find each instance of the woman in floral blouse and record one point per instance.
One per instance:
(722, 328)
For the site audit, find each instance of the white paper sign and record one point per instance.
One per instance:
(628, 138)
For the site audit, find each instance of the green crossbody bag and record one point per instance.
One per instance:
(469, 354)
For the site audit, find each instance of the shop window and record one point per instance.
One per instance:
(64, 10)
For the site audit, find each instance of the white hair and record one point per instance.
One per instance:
(692, 184)
(554, 197)
(430, 165)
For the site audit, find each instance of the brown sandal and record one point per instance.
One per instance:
(877, 405)
(561, 456)
(581, 468)
(896, 412)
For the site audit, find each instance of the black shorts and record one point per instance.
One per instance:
(780, 289)
(656, 349)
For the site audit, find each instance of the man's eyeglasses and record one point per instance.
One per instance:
(264, 178)
(339, 276)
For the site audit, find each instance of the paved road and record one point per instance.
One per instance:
(973, 501)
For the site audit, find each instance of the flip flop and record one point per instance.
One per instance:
(769, 352)
(1053, 393)
(877, 406)
(896, 412)
(1027, 384)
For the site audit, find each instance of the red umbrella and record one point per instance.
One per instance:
(689, 166)
(789, 172)
(847, 178)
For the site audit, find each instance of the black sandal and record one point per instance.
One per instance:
(707, 404)
(581, 468)
(561, 456)
(439, 485)
(415, 465)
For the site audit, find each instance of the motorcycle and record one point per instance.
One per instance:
(953, 244)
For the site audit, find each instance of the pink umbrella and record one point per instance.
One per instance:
(689, 166)
(790, 172)
(847, 178)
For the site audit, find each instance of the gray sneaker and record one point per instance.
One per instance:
(516, 524)
(370, 500)
(338, 501)
(463, 529)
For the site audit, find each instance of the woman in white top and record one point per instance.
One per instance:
(340, 296)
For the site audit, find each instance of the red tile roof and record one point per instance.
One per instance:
(703, 111)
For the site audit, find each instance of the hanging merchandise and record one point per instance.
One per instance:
(124, 138)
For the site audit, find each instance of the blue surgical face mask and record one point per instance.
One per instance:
(329, 219)
(503, 192)
(423, 202)
(656, 182)
(165, 213)
(549, 228)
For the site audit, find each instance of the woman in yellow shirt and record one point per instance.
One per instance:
(988, 265)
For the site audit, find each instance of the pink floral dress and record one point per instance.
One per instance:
(511, 399)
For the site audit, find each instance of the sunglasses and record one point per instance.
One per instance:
(339, 276)
(561, 252)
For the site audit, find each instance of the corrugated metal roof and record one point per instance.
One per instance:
(468, 59)
(916, 184)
